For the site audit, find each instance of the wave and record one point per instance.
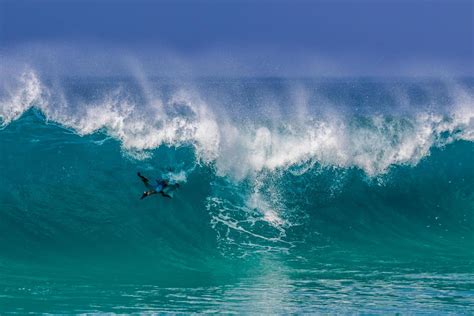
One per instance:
(60, 189)
(283, 177)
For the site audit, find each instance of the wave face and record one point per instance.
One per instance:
(356, 195)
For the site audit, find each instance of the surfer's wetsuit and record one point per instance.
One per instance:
(161, 184)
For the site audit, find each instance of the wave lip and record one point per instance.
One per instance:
(142, 121)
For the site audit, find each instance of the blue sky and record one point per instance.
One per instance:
(268, 36)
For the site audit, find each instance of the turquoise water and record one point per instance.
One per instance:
(296, 196)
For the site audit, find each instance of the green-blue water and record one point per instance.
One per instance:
(295, 196)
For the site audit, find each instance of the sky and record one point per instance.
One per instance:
(244, 37)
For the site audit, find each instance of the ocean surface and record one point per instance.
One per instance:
(296, 195)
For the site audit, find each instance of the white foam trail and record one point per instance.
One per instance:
(270, 213)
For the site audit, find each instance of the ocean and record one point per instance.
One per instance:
(297, 195)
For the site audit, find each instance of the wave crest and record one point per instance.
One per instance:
(246, 145)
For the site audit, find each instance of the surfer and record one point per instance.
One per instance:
(162, 187)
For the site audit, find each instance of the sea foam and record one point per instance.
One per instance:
(242, 147)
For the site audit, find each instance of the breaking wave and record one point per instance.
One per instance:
(243, 131)
(364, 185)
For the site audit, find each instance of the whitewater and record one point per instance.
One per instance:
(296, 194)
